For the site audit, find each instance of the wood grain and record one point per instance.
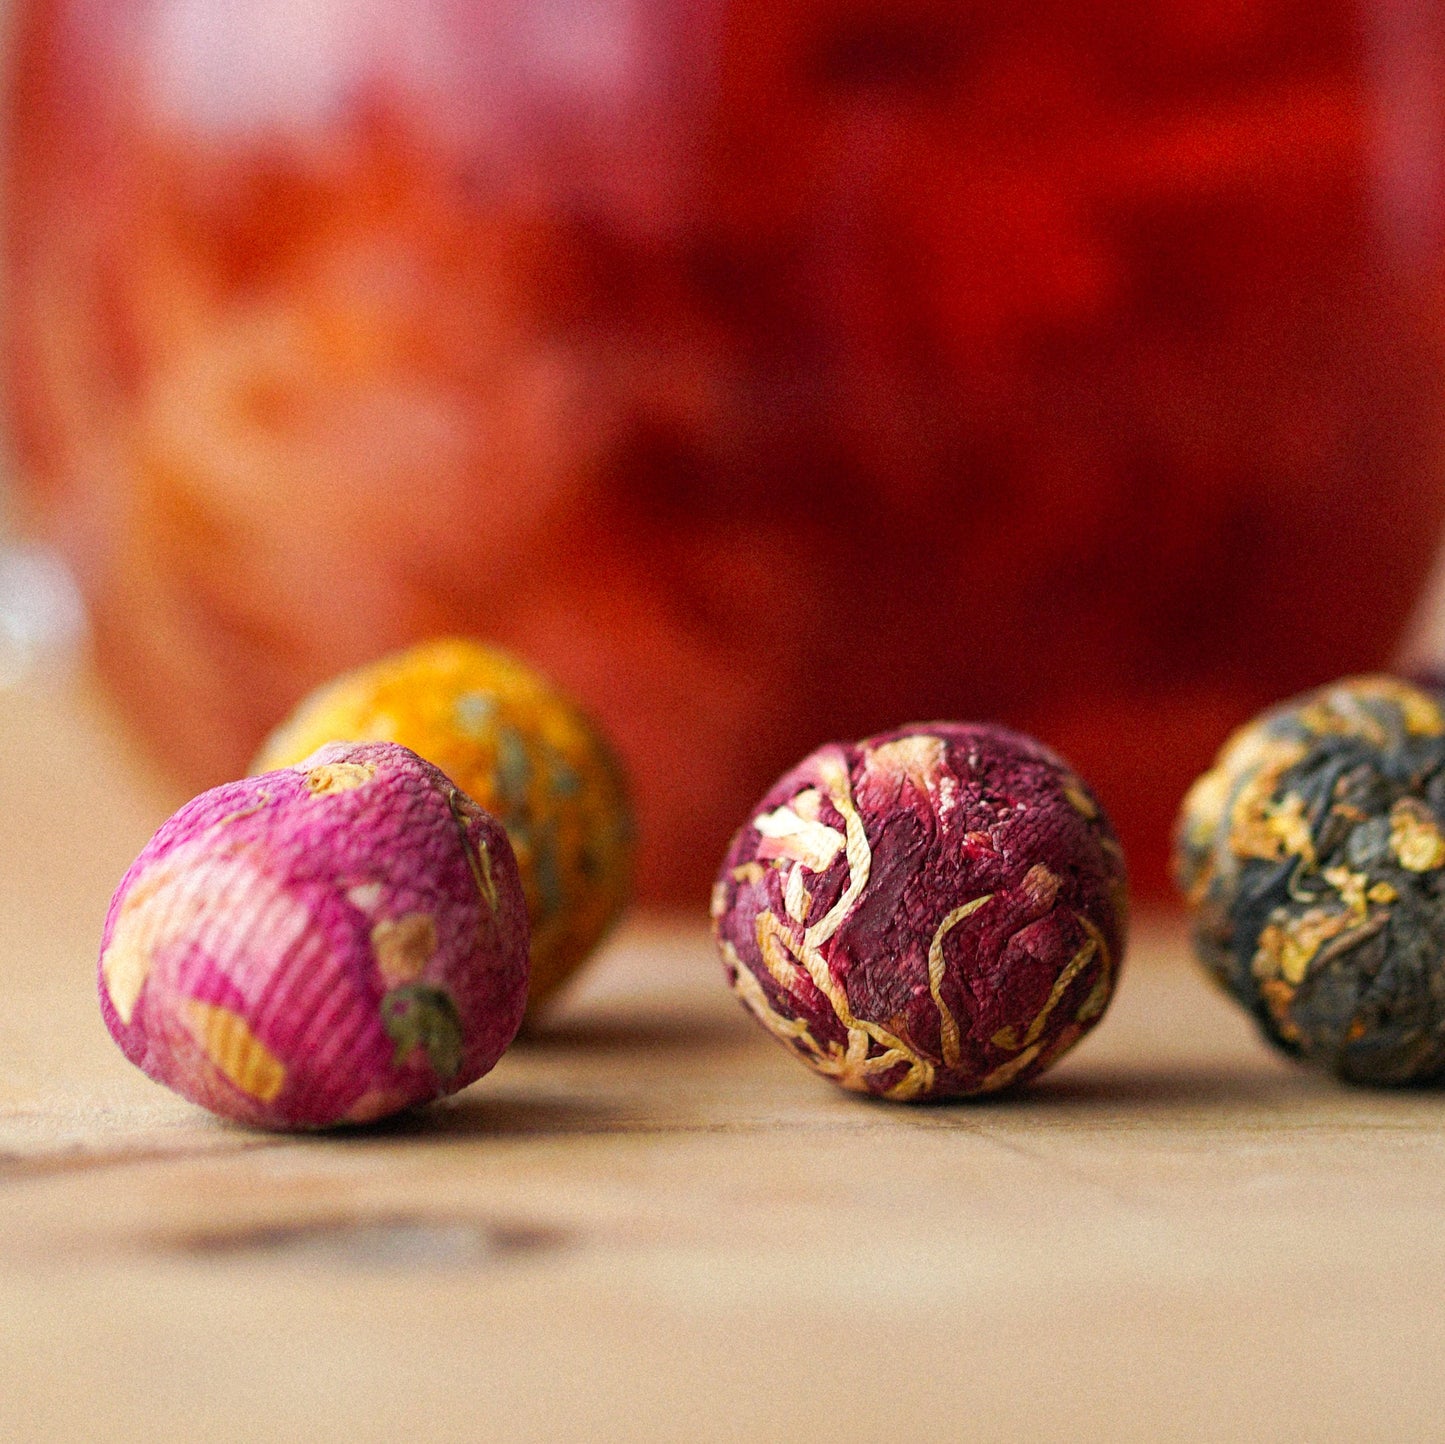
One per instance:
(649, 1222)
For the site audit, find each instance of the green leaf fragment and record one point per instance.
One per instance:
(475, 714)
(563, 779)
(545, 868)
(418, 1015)
(514, 766)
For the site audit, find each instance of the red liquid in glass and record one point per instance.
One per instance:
(765, 370)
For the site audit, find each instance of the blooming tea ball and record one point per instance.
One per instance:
(328, 943)
(519, 748)
(933, 912)
(1312, 856)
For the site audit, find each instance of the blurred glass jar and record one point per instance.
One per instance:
(765, 370)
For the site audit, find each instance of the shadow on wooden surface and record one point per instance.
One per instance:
(1186, 1086)
(1161, 1088)
(404, 1241)
(1181, 1087)
(489, 1115)
(650, 1032)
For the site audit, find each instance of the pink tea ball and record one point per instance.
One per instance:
(934, 912)
(327, 943)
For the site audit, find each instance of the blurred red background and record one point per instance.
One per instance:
(764, 370)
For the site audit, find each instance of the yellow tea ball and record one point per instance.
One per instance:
(520, 749)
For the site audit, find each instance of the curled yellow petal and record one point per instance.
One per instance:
(403, 946)
(798, 838)
(1415, 836)
(332, 777)
(235, 1050)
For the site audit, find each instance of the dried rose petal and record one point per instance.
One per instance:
(934, 912)
(326, 943)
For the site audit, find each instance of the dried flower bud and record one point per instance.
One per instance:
(1312, 856)
(934, 912)
(519, 748)
(328, 943)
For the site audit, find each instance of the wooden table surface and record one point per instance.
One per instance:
(652, 1223)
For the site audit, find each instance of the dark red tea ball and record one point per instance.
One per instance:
(934, 912)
